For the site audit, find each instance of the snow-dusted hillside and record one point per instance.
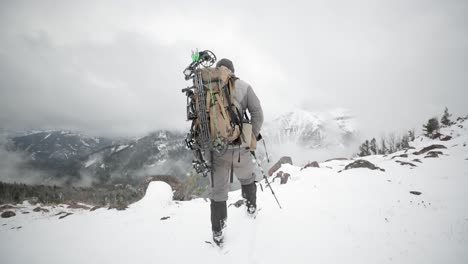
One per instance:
(328, 216)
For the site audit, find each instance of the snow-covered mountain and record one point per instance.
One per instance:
(46, 146)
(161, 152)
(414, 210)
(69, 156)
(312, 130)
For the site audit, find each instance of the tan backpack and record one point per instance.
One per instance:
(225, 122)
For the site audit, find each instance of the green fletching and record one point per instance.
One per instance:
(195, 56)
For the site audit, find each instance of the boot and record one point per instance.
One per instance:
(249, 193)
(218, 221)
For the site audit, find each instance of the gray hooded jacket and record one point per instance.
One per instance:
(248, 100)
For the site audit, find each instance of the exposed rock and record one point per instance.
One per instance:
(8, 214)
(431, 147)
(165, 218)
(405, 163)
(312, 164)
(7, 207)
(417, 160)
(336, 159)
(284, 177)
(283, 160)
(65, 215)
(445, 138)
(416, 192)
(25, 212)
(75, 205)
(433, 154)
(176, 185)
(95, 208)
(238, 203)
(119, 207)
(400, 156)
(362, 164)
(39, 209)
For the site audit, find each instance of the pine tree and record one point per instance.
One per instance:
(431, 127)
(411, 135)
(364, 149)
(405, 142)
(392, 143)
(383, 147)
(373, 146)
(445, 120)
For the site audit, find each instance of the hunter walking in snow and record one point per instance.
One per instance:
(222, 137)
(237, 160)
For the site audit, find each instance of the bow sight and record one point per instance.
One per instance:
(199, 140)
(204, 58)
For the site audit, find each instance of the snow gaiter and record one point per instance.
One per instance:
(249, 193)
(218, 219)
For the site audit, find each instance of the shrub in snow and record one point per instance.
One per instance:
(445, 119)
(431, 128)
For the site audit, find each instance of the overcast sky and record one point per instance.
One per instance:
(115, 68)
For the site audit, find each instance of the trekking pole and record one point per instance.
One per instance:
(266, 178)
(266, 152)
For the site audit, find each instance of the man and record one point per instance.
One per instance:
(238, 158)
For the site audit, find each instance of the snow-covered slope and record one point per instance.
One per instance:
(328, 216)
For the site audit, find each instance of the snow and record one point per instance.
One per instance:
(84, 143)
(120, 148)
(46, 137)
(353, 216)
(90, 162)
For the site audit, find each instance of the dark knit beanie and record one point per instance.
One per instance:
(226, 63)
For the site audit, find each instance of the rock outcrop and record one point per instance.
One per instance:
(405, 163)
(429, 148)
(362, 164)
(8, 214)
(283, 160)
(312, 164)
(284, 177)
(433, 154)
(445, 138)
(39, 209)
(400, 156)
